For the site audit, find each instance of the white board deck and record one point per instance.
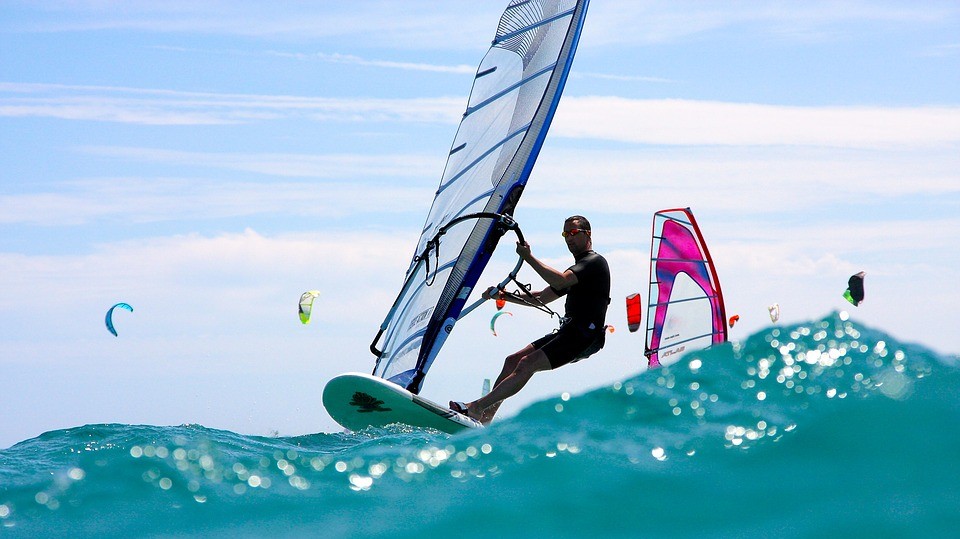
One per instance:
(357, 400)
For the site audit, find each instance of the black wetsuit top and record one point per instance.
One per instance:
(587, 300)
(582, 332)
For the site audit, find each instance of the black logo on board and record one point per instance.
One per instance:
(367, 403)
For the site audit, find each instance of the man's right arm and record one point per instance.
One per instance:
(554, 278)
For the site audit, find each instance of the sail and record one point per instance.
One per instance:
(685, 310)
(515, 93)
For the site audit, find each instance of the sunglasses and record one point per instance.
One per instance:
(574, 231)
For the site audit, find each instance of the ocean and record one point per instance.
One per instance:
(820, 429)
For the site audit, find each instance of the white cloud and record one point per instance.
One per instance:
(138, 200)
(338, 186)
(214, 322)
(949, 49)
(634, 22)
(662, 121)
(168, 107)
(335, 58)
(747, 181)
(686, 122)
(620, 78)
(194, 275)
(333, 166)
(350, 59)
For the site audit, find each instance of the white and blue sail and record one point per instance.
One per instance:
(515, 94)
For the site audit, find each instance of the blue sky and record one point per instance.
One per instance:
(208, 163)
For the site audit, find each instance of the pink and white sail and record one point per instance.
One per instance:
(685, 309)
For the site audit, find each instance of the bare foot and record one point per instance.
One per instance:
(463, 409)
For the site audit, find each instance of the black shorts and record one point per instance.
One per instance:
(569, 344)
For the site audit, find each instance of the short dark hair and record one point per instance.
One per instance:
(583, 223)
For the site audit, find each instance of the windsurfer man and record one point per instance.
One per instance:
(586, 284)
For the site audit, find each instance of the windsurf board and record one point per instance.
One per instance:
(357, 400)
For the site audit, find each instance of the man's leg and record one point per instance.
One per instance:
(509, 365)
(513, 382)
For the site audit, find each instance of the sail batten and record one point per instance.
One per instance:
(482, 196)
(672, 301)
(494, 148)
(515, 94)
(659, 259)
(509, 89)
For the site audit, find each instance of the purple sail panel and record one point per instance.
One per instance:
(685, 310)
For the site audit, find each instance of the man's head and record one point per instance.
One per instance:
(576, 232)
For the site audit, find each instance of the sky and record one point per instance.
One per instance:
(208, 162)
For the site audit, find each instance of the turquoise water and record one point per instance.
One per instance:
(821, 429)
